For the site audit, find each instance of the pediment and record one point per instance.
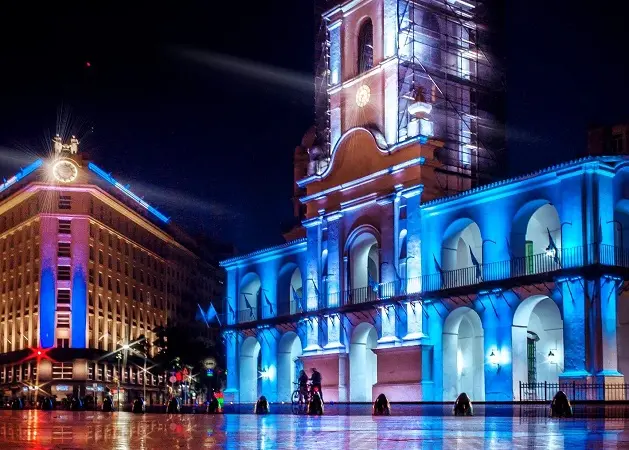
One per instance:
(361, 153)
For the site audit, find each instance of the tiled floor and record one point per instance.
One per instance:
(80, 430)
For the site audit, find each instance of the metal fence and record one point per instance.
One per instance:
(575, 390)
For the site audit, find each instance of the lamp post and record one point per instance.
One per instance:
(119, 358)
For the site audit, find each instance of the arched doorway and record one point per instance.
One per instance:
(537, 339)
(462, 254)
(363, 363)
(463, 355)
(364, 266)
(288, 365)
(536, 238)
(289, 290)
(250, 367)
(249, 298)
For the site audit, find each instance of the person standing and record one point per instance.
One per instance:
(315, 379)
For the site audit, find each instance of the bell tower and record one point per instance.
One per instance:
(407, 70)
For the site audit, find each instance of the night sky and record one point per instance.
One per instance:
(199, 107)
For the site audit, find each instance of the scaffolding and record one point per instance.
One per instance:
(322, 77)
(444, 58)
(447, 56)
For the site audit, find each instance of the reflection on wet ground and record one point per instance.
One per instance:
(493, 428)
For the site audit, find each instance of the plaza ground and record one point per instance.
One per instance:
(499, 427)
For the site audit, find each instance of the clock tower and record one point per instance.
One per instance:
(408, 70)
(64, 168)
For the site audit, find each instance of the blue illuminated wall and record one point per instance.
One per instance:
(80, 246)
(47, 286)
(586, 197)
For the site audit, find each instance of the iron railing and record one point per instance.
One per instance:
(515, 267)
(247, 315)
(575, 390)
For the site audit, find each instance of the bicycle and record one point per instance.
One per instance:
(300, 398)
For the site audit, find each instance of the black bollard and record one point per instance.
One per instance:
(108, 405)
(560, 406)
(138, 406)
(381, 406)
(463, 405)
(315, 406)
(173, 406)
(76, 404)
(47, 405)
(262, 406)
(212, 406)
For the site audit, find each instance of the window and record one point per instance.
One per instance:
(63, 297)
(109, 261)
(365, 46)
(63, 273)
(100, 279)
(100, 257)
(91, 253)
(64, 226)
(63, 250)
(65, 202)
(109, 283)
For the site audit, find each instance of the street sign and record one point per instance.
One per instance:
(172, 379)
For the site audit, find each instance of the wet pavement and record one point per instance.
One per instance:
(81, 430)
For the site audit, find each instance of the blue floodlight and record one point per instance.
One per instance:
(21, 174)
(107, 177)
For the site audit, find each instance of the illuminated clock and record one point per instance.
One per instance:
(362, 95)
(65, 171)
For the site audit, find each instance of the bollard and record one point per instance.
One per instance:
(108, 405)
(463, 405)
(381, 406)
(560, 406)
(315, 406)
(262, 406)
(138, 406)
(173, 406)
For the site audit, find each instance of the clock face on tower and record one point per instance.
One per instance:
(362, 96)
(65, 171)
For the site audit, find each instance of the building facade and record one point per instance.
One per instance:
(400, 286)
(87, 268)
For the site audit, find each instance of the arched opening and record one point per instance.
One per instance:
(536, 238)
(621, 230)
(365, 46)
(288, 365)
(250, 367)
(621, 258)
(537, 343)
(289, 290)
(364, 267)
(431, 38)
(462, 249)
(363, 363)
(463, 355)
(249, 297)
(402, 258)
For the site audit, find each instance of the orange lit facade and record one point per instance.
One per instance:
(86, 268)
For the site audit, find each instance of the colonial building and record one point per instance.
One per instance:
(87, 267)
(408, 282)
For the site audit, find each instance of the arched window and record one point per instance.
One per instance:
(365, 46)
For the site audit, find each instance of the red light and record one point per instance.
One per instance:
(38, 352)
(88, 64)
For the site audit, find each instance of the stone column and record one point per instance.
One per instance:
(232, 353)
(574, 329)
